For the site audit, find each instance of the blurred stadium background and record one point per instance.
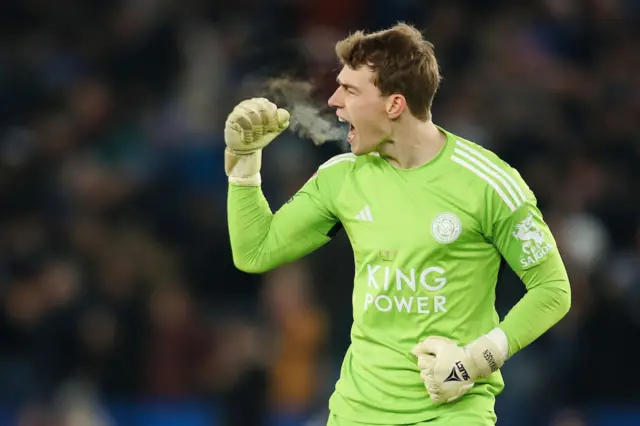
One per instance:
(120, 302)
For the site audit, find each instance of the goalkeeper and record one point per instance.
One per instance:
(429, 215)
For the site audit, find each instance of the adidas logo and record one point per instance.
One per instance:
(365, 214)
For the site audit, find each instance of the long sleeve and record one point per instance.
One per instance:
(262, 240)
(546, 302)
(526, 243)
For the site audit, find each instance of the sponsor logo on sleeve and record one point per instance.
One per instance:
(534, 246)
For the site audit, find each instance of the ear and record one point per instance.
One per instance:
(395, 105)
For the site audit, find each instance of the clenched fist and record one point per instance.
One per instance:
(449, 371)
(251, 126)
(446, 369)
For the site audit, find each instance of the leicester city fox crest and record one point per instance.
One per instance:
(446, 228)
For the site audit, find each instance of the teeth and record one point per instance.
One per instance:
(341, 120)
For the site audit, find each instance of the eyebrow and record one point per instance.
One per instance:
(346, 85)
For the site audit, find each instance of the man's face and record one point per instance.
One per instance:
(359, 102)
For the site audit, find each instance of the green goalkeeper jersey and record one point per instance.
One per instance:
(428, 243)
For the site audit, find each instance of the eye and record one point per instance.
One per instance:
(348, 89)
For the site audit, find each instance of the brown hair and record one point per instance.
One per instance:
(402, 60)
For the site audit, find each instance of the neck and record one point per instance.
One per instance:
(413, 144)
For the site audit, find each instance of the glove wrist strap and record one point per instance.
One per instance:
(243, 169)
(489, 352)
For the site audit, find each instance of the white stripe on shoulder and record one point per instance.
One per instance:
(338, 159)
(491, 172)
(495, 167)
(487, 179)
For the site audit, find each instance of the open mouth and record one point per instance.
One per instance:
(352, 130)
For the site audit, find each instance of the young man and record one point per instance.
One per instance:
(429, 215)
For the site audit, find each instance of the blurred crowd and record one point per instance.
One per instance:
(116, 279)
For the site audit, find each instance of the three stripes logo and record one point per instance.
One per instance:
(507, 184)
(365, 215)
(501, 181)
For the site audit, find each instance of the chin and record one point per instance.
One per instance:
(359, 149)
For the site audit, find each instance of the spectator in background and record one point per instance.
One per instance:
(174, 346)
(295, 342)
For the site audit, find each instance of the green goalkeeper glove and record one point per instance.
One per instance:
(449, 371)
(251, 126)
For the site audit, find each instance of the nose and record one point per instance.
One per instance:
(334, 100)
